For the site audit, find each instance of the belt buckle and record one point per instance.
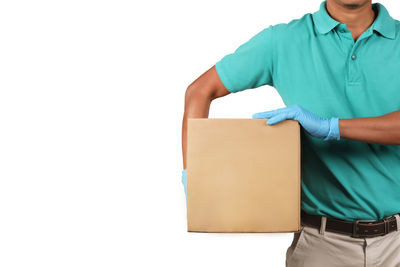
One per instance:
(386, 223)
(355, 223)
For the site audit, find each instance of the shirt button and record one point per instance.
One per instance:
(353, 57)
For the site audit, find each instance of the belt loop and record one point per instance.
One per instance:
(323, 225)
(397, 216)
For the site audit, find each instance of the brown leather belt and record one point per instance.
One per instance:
(357, 228)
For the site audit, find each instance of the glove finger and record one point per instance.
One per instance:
(291, 114)
(262, 115)
(278, 118)
(267, 114)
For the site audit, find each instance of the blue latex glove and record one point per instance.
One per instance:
(326, 129)
(184, 181)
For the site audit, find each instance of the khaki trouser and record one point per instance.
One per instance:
(313, 247)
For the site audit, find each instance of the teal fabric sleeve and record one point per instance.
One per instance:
(250, 65)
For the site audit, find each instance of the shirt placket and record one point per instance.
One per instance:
(351, 50)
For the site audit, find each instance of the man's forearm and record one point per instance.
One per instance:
(196, 106)
(198, 98)
(379, 130)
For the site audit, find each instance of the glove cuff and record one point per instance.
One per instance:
(334, 133)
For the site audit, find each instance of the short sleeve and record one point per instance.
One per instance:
(250, 65)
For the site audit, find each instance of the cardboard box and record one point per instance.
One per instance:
(243, 176)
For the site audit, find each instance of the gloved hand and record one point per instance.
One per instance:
(184, 181)
(326, 129)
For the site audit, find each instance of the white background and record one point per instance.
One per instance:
(91, 105)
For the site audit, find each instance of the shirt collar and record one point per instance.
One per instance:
(383, 23)
(323, 21)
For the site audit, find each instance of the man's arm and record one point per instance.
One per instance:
(198, 97)
(379, 130)
(383, 130)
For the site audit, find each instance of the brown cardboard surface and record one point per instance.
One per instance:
(243, 176)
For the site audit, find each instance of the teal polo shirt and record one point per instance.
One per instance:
(313, 61)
